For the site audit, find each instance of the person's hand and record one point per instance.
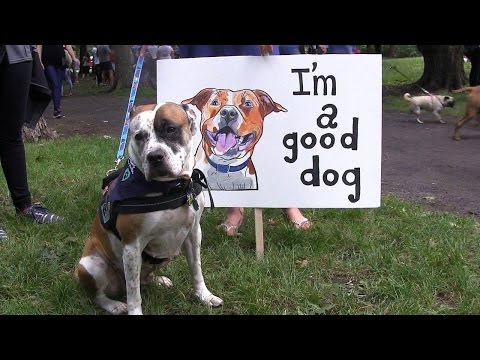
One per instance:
(265, 49)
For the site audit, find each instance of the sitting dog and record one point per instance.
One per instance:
(231, 125)
(431, 103)
(148, 213)
(472, 108)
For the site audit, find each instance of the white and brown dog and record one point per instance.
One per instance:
(125, 247)
(430, 103)
(231, 125)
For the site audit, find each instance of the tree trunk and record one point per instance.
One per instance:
(443, 67)
(41, 132)
(123, 66)
(391, 51)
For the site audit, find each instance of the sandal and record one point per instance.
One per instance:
(229, 229)
(303, 224)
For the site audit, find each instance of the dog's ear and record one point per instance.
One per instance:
(267, 105)
(191, 118)
(200, 99)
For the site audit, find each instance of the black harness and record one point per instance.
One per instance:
(174, 194)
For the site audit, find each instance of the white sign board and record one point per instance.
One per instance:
(284, 131)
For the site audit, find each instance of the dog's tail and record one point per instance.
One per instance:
(466, 89)
(407, 96)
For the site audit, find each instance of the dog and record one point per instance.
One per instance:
(472, 108)
(431, 103)
(231, 125)
(124, 249)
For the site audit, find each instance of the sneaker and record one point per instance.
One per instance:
(3, 234)
(40, 214)
(58, 115)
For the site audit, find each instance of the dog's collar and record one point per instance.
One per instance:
(227, 168)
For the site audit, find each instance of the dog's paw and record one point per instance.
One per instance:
(116, 308)
(163, 281)
(207, 298)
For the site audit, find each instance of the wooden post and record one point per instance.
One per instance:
(259, 233)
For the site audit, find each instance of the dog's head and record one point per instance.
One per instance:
(161, 140)
(447, 101)
(232, 121)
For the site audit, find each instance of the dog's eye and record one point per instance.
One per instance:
(142, 135)
(214, 102)
(171, 129)
(248, 103)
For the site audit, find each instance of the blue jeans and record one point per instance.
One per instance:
(55, 80)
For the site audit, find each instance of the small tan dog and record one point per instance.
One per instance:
(472, 108)
(431, 103)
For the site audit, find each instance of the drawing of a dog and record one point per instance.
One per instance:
(231, 125)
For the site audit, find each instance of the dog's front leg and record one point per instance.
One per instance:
(438, 116)
(191, 248)
(132, 263)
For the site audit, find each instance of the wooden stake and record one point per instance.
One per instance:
(259, 233)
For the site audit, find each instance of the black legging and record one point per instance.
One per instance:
(14, 87)
(474, 78)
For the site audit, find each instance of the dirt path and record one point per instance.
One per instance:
(420, 163)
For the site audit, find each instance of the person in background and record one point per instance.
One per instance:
(289, 49)
(472, 52)
(165, 52)
(105, 63)
(15, 77)
(69, 79)
(234, 216)
(51, 58)
(341, 49)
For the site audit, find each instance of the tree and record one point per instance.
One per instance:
(41, 132)
(443, 67)
(123, 66)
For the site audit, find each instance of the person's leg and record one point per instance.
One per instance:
(14, 87)
(232, 222)
(472, 79)
(296, 217)
(475, 72)
(55, 83)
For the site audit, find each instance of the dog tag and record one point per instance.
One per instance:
(195, 203)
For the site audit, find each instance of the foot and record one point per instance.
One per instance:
(232, 222)
(58, 115)
(3, 234)
(40, 214)
(419, 121)
(296, 217)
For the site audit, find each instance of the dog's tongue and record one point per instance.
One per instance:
(225, 142)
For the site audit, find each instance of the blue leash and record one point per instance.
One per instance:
(131, 101)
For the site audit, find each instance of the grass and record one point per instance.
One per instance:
(412, 68)
(397, 259)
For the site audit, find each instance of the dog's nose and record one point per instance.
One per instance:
(229, 114)
(155, 157)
